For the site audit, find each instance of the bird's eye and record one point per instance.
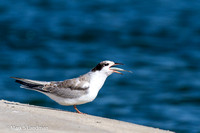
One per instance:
(106, 64)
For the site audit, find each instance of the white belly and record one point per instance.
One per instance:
(89, 97)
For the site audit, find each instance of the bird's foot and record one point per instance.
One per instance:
(78, 110)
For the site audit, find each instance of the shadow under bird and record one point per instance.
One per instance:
(76, 91)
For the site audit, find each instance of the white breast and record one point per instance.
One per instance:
(96, 82)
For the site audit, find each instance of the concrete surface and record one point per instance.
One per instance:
(17, 117)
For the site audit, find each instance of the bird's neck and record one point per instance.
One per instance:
(97, 79)
(98, 75)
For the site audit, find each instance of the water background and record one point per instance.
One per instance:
(158, 40)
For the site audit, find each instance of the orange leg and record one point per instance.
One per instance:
(77, 110)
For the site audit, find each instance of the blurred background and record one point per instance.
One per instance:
(158, 40)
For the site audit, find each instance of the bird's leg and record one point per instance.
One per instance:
(77, 110)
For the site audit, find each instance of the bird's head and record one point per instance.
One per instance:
(107, 68)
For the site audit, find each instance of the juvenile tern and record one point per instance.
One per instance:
(74, 91)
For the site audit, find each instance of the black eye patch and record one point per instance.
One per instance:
(99, 66)
(106, 64)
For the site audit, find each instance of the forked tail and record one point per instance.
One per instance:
(31, 84)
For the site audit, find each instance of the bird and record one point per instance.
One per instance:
(75, 91)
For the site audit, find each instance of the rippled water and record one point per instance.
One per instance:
(158, 40)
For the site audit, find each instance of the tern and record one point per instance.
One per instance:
(76, 91)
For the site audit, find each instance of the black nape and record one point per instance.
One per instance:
(98, 67)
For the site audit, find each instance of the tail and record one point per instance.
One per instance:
(31, 84)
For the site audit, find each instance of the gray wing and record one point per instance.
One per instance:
(72, 88)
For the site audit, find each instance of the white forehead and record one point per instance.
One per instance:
(107, 61)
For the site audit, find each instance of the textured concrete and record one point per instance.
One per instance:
(16, 117)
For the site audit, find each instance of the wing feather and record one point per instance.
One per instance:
(71, 88)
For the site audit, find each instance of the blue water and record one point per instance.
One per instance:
(158, 40)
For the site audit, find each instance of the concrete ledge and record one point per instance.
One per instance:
(17, 117)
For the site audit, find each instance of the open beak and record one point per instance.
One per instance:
(116, 69)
